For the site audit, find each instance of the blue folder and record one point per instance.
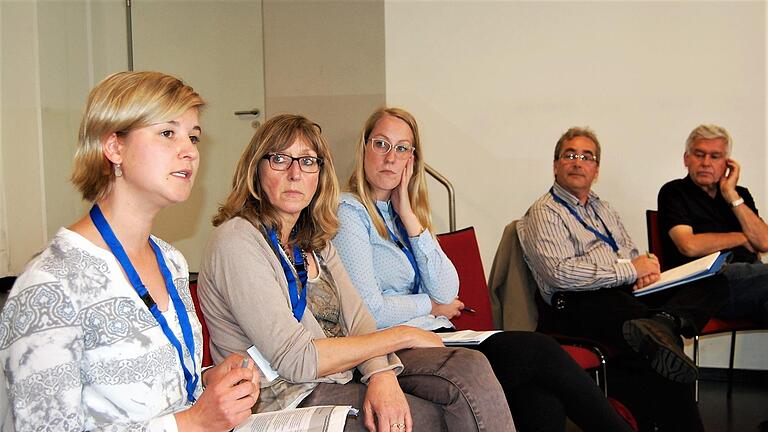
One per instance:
(716, 266)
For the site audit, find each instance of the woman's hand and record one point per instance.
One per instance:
(413, 337)
(401, 201)
(450, 310)
(385, 408)
(231, 390)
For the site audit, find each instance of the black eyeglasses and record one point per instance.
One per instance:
(283, 162)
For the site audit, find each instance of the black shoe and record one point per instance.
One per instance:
(658, 344)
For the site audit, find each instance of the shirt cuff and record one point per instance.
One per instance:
(166, 423)
(625, 273)
(423, 304)
(202, 371)
(380, 364)
(423, 243)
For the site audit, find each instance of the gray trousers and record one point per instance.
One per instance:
(448, 389)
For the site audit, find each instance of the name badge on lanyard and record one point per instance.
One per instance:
(404, 246)
(298, 295)
(608, 237)
(191, 377)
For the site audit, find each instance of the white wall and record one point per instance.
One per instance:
(49, 59)
(20, 136)
(494, 84)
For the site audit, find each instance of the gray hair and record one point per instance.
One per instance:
(708, 131)
(574, 132)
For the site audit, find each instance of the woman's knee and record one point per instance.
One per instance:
(464, 362)
(469, 374)
(445, 375)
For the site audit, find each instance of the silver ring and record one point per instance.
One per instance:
(397, 426)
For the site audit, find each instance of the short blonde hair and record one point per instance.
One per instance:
(118, 104)
(417, 187)
(317, 223)
(708, 131)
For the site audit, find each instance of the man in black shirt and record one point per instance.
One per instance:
(707, 212)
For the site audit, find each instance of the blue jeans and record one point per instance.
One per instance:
(749, 291)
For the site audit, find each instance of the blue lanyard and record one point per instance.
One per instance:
(404, 246)
(606, 238)
(181, 312)
(298, 298)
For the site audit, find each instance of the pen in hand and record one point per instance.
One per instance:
(468, 310)
(243, 365)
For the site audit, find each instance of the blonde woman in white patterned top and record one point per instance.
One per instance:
(99, 332)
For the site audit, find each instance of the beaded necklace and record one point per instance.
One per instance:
(290, 255)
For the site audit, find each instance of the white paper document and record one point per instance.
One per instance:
(694, 270)
(266, 369)
(466, 337)
(311, 419)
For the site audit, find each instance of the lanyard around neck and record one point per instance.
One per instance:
(116, 247)
(404, 245)
(608, 238)
(298, 295)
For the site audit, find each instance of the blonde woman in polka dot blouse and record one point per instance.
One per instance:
(386, 243)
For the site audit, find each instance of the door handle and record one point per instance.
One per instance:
(254, 112)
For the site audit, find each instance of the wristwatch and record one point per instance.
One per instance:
(737, 202)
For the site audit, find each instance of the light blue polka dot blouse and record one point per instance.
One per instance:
(382, 273)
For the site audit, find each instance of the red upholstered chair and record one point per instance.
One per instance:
(462, 249)
(715, 325)
(207, 360)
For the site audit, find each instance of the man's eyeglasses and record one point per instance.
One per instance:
(701, 155)
(382, 146)
(283, 162)
(571, 156)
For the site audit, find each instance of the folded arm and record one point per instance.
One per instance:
(364, 347)
(353, 243)
(551, 253)
(697, 245)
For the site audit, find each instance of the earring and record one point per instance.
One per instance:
(118, 170)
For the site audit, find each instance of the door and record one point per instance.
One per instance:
(216, 47)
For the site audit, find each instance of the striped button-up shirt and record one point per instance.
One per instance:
(564, 255)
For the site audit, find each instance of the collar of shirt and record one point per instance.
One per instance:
(571, 198)
(696, 189)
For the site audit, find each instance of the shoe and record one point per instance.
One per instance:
(658, 344)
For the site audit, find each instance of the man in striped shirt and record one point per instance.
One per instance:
(586, 266)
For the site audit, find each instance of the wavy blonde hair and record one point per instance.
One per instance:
(417, 187)
(317, 223)
(120, 103)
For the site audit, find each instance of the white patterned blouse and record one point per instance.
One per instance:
(81, 351)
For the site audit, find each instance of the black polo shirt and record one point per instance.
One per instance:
(682, 202)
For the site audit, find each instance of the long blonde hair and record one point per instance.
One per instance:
(317, 223)
(417, 187)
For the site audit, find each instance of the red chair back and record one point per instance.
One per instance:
(207, 360)
(717, 325)
(655, 236)
(461, 248)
